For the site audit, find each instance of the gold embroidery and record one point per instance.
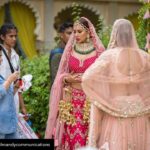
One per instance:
(66, 108)
(119, 113)
(86, 111)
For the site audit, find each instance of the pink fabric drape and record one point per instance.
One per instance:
(118, 85)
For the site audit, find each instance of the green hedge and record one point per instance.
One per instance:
(37, 97)
(144, 25)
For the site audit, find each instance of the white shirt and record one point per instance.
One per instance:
(5, 70)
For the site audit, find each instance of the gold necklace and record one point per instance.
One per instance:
(84, 52)
(84, 48)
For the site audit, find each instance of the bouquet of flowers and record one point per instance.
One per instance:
(25, 83)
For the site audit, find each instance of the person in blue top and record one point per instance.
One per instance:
(64, 31)
(8, 116)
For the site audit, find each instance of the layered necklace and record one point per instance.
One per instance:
(84, 48)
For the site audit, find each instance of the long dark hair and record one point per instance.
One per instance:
(5, 28)
(0, 48)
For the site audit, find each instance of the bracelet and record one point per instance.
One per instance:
(64, 81)
(17, 87)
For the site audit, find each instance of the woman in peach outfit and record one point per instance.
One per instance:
(118, 85)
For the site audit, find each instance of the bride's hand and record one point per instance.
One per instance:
(79, 77)
(72, 78)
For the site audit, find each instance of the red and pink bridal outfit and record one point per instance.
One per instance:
(70, 136)
(76, 135)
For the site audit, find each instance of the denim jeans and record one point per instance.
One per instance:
(9, 136)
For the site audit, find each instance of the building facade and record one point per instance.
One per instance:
(47, 14)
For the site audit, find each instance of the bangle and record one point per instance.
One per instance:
(15, 86)
(64, 81)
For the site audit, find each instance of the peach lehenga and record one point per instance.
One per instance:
(118, 85)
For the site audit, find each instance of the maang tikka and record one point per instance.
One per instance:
(81, 24)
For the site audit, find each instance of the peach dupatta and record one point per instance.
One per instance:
(120, 97)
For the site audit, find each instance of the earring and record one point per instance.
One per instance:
(88, 38)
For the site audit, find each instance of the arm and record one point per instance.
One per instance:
(22, 105)
(21, 101)
(5, 86)
(54, 65)
(2, 91)
(95, 126)
(73, 78)
(13, 77)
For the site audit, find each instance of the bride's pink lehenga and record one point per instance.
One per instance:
(75, 136)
